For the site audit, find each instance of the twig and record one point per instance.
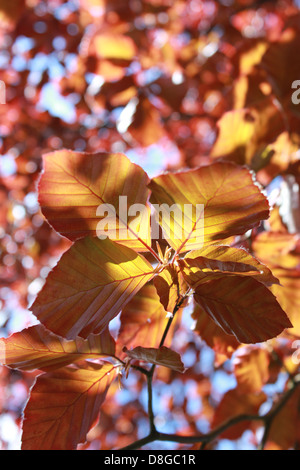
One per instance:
(176, 308)
(267, 419)
(150, 404)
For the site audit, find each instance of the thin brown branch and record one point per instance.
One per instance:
(267, 419)
(150, 404)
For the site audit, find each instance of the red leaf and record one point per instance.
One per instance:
(64, 405)
(38, 348)
(213, 262)
(284, 431)
(89, 286)
(251, 368)
(170, 285)
(231, 200)
(162, 357)
(234, 404)
(213, 334)
(143, 320)
(73, 185)
(244, 307)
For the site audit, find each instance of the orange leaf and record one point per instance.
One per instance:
(213, 262)
(38, 348)
(232, 204)
(64, 405)
(243, 307)
(170, 285)
(143, 320)
(288, 295)
(109, 71)
(236, 131)
(243, 133)
(89, 286)
(162, 357)
(276, 249)
(284, 431)
(234, 404)
(283, 52)
(251, 368)
(252, 57)
(214, 336)
(79, 194)
(146, 127)
(114, 46)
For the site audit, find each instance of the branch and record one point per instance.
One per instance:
(149, 373)
(150, 404)
(267, 419)
(176, 308)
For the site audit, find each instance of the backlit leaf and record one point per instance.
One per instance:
(283, 52)
(162, 356)
(213, 335)
(243, 307)
(276, 249)
(143, 320)
(213, 262)
(251, 368)
(38, 348)
(243, 133)
(10, 12)
(64, 405)
(146, 127)
(284, 431)
(114, 46)
(237, 129)
(234, 404)
(288, 295)
(89, 286)
(170, 286)
(231, 201)
(79, 194)
(252, 57)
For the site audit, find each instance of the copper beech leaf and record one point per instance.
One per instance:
(213, 262)
(114, 46)
(213, 335)
(288, 295)
(170, 285)
(162, 356)
(233, 404)
(212, 203)
(251, 368)
(79, 194)
(242, 306)
(64, 405)
(143, 320)
(88, 287)
(277, 249)
(146, 128)
(285, 430)
(236, 132)
(282, 252)
(38, 348)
